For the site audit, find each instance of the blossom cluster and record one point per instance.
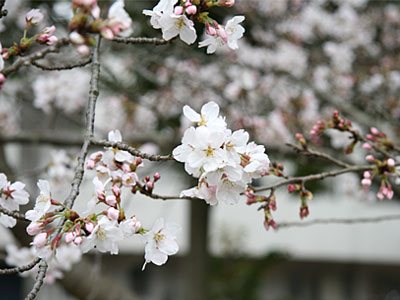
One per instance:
(224, 161)
(177, 19)
(101, 230)
(87, 20)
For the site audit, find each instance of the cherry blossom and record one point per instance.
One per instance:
(160, 242)
(43, 202)
(174, 25)
(34, 17)
(118, 21)
(104, 237)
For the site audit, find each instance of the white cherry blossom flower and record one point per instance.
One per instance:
(34, 16)
(163, 8)
(118, 19)
(209, 115)
(104, 237)
(259, 161)
(233, 32)
(173, 25)
(12, 195)
(115, 153)
(160, 242)
(43, 202)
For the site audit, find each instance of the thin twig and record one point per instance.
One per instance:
(38, 281)
(90, 116)
(359, 137)
(143, 191)
(62, 67)
(21, 269)
(140, 40)
(338, 221)
(310, 152)
(26, 60)
(14, 214)
(131, 150)
(313, 177)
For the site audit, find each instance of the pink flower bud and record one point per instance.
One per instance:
(78, 240)
(2, 79)
(40, 240)
(139, 160)
(191, 10)
(126, 168)
(34, 17)
(89, 226)
(390, 193)
(33, 228)
(112, 213)
(370, 158)
(157, 176)
(111, 200)
(149, 185)
(367, 146)
(90, 164)
(366, 182)
(210, 30)
(370, 137)
(222, 34)
(69, 237)
(374, 131)
(367, 174)
(136, 224)
(51, 40)
(380, 196)
(76, 38)
(83, 50)
(391, 163)
(116, 190)
(291, 188)
(188, 3)
(178, 10)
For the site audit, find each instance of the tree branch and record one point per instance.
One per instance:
(21, 269)
(338, 221)
(310, 152)
(3, 12)
(319, 176)
(90, 116)
(141, 40)
(62, 67)
(26, 60)
(131, 150)
(38, 282)
(14, 214)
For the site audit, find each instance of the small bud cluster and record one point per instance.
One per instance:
(305, 195)
(86, 20)
(384, 169)
(116, 171)
(378, 139)
(175, 18)
(46, 37)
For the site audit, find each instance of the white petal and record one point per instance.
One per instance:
(191, 114)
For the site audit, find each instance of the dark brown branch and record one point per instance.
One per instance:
(62, 67)
(14, 214)
(313, 177)
(26, 60)
(131, 150)
(21, 269)
(310, 152)
(90, 115)
(3, 12)
(338, 221)
(38, 281)
(140, 40)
